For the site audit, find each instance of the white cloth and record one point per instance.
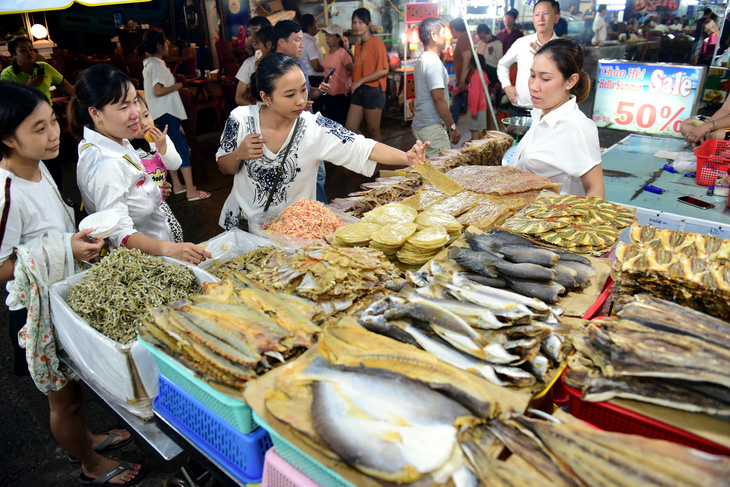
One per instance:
(246, 70)
(676, 27)
(312, 51)
(171, 158)
(429, 74)
(33, 209)
(156, 71)
(318, 138)
(662, 28)
(599, 24)
(562, 145)
(483, 49)
(521, 53)
(109, 181)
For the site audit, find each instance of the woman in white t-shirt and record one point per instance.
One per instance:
(105, 111)
(274, 148)
(166, 107)
(263, 45)
(562, 143)
(35, 216)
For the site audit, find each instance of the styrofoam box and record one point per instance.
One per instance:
(106, 362)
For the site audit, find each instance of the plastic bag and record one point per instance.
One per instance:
(256, 221)
(233, 243)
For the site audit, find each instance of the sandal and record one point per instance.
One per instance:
(106, 445)
(101, 480)
(201, 196)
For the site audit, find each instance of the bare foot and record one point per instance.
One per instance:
(108, 464)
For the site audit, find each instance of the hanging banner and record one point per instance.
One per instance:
(646, 98)
(416, 12)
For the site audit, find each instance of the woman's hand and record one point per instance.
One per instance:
(357, 84)
(159, 137)
(324, 88)
(36, 80)
(166, 190)
(511, 93)
(417, 153)
(252, 147)
(698, 134)
(189, 252)
(85, 248)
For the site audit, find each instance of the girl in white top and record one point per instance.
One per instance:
(110, 175)
(31, 206)
(256, 137)
(562, 143)
(166, 107)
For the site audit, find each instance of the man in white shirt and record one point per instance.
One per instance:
(676, 25)
(432, 120)
(599, 27)
(312, 54)
(523, 52)
(662, 26)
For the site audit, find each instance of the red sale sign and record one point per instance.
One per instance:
(416, 12)
(648, 98)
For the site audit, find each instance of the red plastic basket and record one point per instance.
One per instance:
(713, 156)
(610, 417)
(596, 307)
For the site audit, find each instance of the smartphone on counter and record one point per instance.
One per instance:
(689, 200)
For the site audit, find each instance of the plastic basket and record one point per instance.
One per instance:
(241, 455)
(280, 473)
(713, 156)
(596, 307)
(301, 461)
(610, 417)
(236, 413)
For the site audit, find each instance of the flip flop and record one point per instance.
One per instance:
(106, 445)
(101, 480)
(201, 196)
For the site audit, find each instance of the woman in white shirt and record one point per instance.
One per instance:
(166, 107)
(562, 143)
(274, 148)
(105, 112)
(35, 216)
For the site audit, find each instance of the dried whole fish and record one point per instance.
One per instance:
(246, 263)
(115, 294)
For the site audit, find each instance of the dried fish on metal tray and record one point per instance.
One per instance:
(115, 294)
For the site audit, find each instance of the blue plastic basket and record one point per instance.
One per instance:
(235, 412)
(301, 461)
(241, 455)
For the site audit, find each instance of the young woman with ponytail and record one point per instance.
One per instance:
(562, 143)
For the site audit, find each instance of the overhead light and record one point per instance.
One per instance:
(39, 31)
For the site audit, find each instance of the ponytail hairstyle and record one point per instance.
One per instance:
(14, 42)
(265, 34)
(270, 69)
(19, 101)
(98, 86)
(568, 57)
(363, 14)
(151, 39)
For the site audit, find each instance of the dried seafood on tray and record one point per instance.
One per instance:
(500, 180)
(487, 151)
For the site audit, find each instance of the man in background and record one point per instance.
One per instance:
(312, 55)
(599, 27)
(510, 33)
(561, 25)
(432, 120)
(523, 53)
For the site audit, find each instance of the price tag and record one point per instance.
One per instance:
(658, 220)
(718, 231)
(647, 98)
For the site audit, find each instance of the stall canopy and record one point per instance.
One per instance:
(25, 6)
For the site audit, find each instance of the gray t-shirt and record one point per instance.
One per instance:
(429, 74)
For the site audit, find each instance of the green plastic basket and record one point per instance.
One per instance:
(301, 461)
(234, 412)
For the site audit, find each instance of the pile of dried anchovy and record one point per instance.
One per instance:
(114, 295)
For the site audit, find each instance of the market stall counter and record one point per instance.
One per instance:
(629, 166)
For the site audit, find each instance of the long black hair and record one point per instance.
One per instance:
(19, 101)
(150, 41)
(98, 86)
(568, 57)
(271, 68)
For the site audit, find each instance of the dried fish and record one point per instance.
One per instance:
(114, 295)
(248, 262)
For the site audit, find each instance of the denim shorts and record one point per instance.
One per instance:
(174, 130)
(369, 97)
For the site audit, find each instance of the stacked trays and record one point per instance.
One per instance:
(218, 424)
(280, 473)
(301, 461)
(241, 455)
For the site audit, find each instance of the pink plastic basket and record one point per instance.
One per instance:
(280, 473)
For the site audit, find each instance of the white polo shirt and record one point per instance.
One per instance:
(311, 52)
(521, 53)
(563, 146)
(156, 71)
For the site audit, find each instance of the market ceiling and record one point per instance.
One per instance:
(26, 6)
